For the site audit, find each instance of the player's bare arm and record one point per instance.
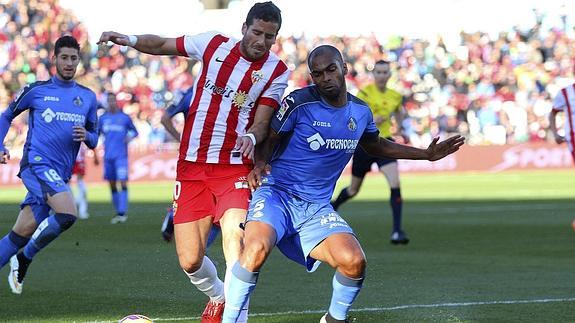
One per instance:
(257, 132)
(169, 126)
(263, 153)
(553, 127)
(149, 44)
(436, 150)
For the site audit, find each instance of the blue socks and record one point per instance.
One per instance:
(242, 283)
(122, 201)
(116, 199)
(47, 231)
(345, 290)
(396, 204)
(9, 246)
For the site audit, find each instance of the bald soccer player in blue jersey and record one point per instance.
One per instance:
(62, 115)
(316, 130)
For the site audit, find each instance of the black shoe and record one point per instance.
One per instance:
(168, 226)
(399, 237)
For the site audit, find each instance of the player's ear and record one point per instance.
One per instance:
(244, 29)
(344, 68)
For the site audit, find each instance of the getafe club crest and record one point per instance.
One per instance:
(78, 101)
(256, 76)
(351, 124)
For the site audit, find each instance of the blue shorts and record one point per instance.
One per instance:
(116, 169)
(41, 181)
(300, 225)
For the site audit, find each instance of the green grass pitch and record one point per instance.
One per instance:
(485, 248)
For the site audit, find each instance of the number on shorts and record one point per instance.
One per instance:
(52, 176)
(259, 205)
(177, 190)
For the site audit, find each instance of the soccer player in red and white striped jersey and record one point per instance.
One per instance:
(237, 91)
(564, 102)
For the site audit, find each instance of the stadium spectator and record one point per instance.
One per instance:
(387, 107)
(62, 116)
(433, 75)
(118, 130)
(240, 86)
(292, 207)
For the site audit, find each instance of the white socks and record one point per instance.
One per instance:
(81, 198)
(207, 281)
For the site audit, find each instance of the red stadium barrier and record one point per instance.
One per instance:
(161, 166)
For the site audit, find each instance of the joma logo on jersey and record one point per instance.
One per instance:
(316, 142)
(51, 98)
(50, 115)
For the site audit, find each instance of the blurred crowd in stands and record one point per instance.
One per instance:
(491, 90)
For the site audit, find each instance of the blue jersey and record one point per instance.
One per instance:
(117, 129)
(183, 105)
(55, 107)
(317, 142)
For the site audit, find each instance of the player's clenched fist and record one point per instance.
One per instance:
(114, 37)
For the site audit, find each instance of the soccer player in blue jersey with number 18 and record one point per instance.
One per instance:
(316, 130)
(62, 116)
(117, 129)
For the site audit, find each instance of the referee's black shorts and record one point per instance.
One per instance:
(362, 162)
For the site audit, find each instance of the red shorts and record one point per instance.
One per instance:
(79, 168)
(209, 190)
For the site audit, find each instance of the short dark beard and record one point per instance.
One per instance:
(63, 77)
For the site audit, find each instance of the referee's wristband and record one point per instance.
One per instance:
(251, 136)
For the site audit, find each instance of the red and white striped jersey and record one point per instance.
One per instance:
(565, 101)
(227, 91)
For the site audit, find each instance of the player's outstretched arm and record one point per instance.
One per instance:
(149, 44)
(384, 148)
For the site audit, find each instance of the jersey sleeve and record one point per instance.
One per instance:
(21, 103)
(273, 94)
(92, 125)
(194, 46)
(285, 118)
(132, 131)
(182, 106)
(559, 101)
(370, 133)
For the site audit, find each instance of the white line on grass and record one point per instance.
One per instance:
(491, 208)
(395, 308)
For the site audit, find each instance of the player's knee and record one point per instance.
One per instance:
(65, 220)
(190, 262)
(254, 254)
(352, 264)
